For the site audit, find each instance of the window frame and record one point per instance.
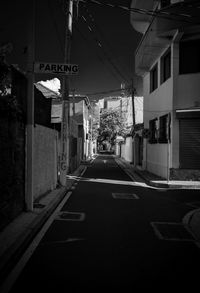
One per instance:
(163, 129)
(186, 49)
(165, 66)
(153, 137)
(154, 78)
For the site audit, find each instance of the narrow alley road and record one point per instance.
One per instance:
(113, 233)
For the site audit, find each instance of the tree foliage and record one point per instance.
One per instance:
(111, 124)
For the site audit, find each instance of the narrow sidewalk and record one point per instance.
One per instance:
(192, 219)
(15, 237)
(154, 180)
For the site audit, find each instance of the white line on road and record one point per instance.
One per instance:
(69, 240)
(118, 195)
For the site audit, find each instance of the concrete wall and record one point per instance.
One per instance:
(156, 104)
(45, 160)
(188, 89)
(127, 151)
(117, 149)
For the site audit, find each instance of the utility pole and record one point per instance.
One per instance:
(73, 101)
(133, 100)
(168, 146)
(64, 160)
(29, 194)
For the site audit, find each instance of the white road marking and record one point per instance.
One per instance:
(68, 240)
(81, 216)
(118, 195)
(14, 274)
(161, 235)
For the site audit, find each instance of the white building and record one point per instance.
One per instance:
(168, 60)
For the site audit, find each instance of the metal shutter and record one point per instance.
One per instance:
(189, 143)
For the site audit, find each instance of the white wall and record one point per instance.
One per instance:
(160, 101)
(156, 104)
(117, 149)
(157, 159)
(127, 152)
(188, 89)
(45, 160)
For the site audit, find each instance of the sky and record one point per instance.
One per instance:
(103, 42)
(103, 45)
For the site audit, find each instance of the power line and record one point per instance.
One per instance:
(157, 13)
(99, 44)
(100, 32)
(98, 56)
(105, 92)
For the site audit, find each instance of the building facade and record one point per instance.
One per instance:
(168, 60)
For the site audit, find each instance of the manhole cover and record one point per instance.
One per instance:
(124, 196)
(71, 216)
(172, 231)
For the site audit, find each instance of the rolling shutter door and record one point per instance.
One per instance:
(190, 143)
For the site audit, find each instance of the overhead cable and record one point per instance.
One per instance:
(100, 32)
(99, 44)
(158, 13)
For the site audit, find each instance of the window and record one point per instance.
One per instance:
(163, 129)
(165, 66)
(189, 57)
(153, 130)
(154, 78)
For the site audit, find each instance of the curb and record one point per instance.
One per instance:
(165, 185)
(13, 253)
(191, 220)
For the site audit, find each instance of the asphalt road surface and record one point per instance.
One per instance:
(115, 234)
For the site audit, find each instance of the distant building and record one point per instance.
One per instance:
(121, 104)
(80, 127)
